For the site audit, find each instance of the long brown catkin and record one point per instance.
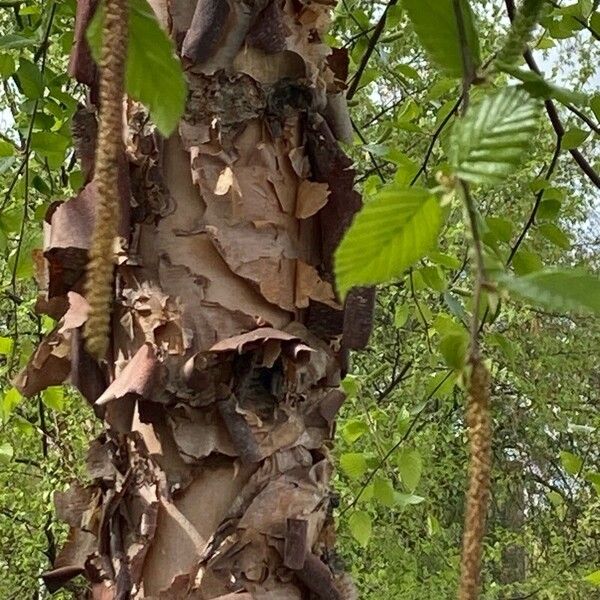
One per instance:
(480, 432)
(99, 281)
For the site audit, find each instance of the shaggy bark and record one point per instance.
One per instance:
(221, 384)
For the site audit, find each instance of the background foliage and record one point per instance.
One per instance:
(401, 439)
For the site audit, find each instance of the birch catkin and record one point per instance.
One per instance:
(479, 427)
(99, 282)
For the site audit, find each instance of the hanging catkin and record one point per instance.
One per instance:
(479, 427)
(99, 282)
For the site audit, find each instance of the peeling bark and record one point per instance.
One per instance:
(221, 385)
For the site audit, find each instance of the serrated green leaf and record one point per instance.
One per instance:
(9, 402)
(6, 346)
(351, 386)
(7, 65)
(6, 453)
(401, 315)
(410, 467)
(573, 138)
(353, 430)
(404, 500)
(593, 578)
(14, 40)
(595, 105)
(525, 262)
(54, 398)
(30, 79)
(361, 527)
(353, 464)
(154, 75)
(453, 347)
(549, 209)
(445, 260)
(501, 228)
(390, 233)
(555, 234)
(488, 143)
(557, 289)
(383, 491)
(571, 462)
(538, 87)
(435, 24)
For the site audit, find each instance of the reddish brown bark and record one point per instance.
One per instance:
(222, 382)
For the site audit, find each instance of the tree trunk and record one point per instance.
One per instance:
(221, 385)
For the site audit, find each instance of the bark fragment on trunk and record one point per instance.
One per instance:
(221, 384)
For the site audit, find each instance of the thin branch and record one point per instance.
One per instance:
(536, 206)
(376, 165)
(397, 445)
(595, 128)
(395, 382)
(584, 165)
(352, 89)
(434, 139)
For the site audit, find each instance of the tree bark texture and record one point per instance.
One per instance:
(228, 342)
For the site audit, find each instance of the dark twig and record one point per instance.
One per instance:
(584, 165)
(369, 51)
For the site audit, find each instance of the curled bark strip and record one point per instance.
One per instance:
(479, 425)
(206, 29)
(296, 538)
(110, 142)
(317, 577)
(241, 434)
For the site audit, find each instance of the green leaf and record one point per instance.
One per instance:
(525, 262)
(557, 289)
(6, 346)
(571, 462)
(593, 578)
(555, 234)
(453, 347)
(361, 527)
(401, 315)
(573, 138)
(538, 87)
(353, 430)
(383, 491)
(404, 500)
(488, 143)
(351, 386)
(595, 105)
(445, 260)
(14, 40)
(154, 74)
(54, 398)
(6, 453)
(31, 79)
(410, 467)
(436, 26)
(9, 402)
(549, 209)
(353, 464)
(7, 65)
(501, 228)
(390, 233)
(51, 146)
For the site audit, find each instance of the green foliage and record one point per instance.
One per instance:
(435, 23)
(489, 142)
(390, 234)
(154, 75)
(557, 289)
